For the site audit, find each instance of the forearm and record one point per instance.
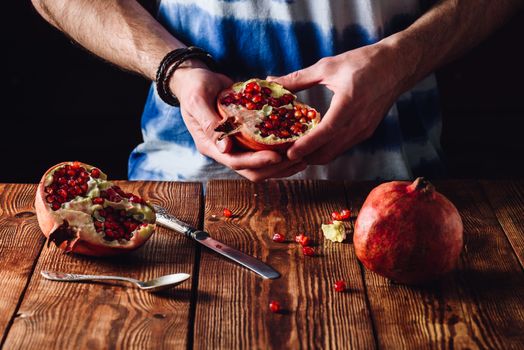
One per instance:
(446, 31)
(121, 32)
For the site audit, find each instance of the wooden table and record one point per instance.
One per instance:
(225, 306)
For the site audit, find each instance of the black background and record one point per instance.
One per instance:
(61, 103)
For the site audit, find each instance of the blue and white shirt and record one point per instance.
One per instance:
(256, 38)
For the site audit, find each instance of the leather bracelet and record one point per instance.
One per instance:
(170, 63)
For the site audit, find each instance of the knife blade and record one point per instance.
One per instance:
(163, 218)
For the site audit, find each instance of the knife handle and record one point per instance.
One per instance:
(163, 218)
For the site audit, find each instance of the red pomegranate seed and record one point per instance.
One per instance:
(336, 216)
(284, 134)
(102, 213)
(308, 251)
(298, 114)
(345, 214)
(303, 240)
(95, 172)
(84, 188)
(303, 120)
(252, 86)
(266, 91)
(273, 117)
(76, 165)
(340, 286)
(311, 114)
(274, 306)
(71, 172)
(48, 190)
(268, 124)
(98, 200)
(50, 198)
(273, 102)
(135, 199)
(56, 206)
(227, 213)
(257, 99)
(62, 180)
(250, 105)
(277, 237)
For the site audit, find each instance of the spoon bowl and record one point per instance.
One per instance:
(154, 285)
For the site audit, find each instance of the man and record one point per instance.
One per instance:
(376, 57)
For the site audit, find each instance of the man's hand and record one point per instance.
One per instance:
(196, 88)
(365, 85)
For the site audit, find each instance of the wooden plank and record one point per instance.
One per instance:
(232, 310)
(56, 315)
(478, 306)
(20, 244)
(507, 199)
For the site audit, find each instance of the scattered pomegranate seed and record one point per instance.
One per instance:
(345, 214)
(336, 215)
(274, 306)
(227, 213)
(308, 251)
(277, 237)
(302, 239)
(340, 286)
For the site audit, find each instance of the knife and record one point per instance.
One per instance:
(163, 218)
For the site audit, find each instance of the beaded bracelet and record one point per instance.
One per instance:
(170, 63)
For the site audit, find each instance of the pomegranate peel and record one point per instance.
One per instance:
(86, 214)
(263, 115)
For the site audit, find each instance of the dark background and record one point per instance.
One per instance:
(61, 103)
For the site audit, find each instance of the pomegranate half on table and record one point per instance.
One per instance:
(263, 115)
(81, 212)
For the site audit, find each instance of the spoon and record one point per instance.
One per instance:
(154, 285)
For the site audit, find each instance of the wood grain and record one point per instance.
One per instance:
(479, 306)
(232, 310)
(507, 200)
(20, 244)
(56, 315)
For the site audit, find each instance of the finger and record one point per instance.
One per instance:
(332, 150)
(291, 170)
(300, 79)
(207, 118)
(325, 131)
(274, 171)
(194, 125)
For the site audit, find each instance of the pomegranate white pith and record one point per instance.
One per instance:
(81, 212)
(264, 115)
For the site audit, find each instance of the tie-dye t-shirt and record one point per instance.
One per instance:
(256, 38)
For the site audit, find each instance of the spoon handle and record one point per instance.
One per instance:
(72, 277)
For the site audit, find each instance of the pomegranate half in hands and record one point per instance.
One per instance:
(408, 232)
(81, 212)
(262, 115)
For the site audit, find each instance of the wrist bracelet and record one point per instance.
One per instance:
(170, 63)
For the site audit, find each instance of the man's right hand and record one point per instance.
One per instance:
(196, 87)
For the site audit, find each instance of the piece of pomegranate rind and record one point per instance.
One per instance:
(77, 226)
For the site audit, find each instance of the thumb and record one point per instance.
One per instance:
(208, 119)
(300, 79)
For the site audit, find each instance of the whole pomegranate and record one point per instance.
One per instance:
(408, 232)
(81, 212)
(262, 115)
